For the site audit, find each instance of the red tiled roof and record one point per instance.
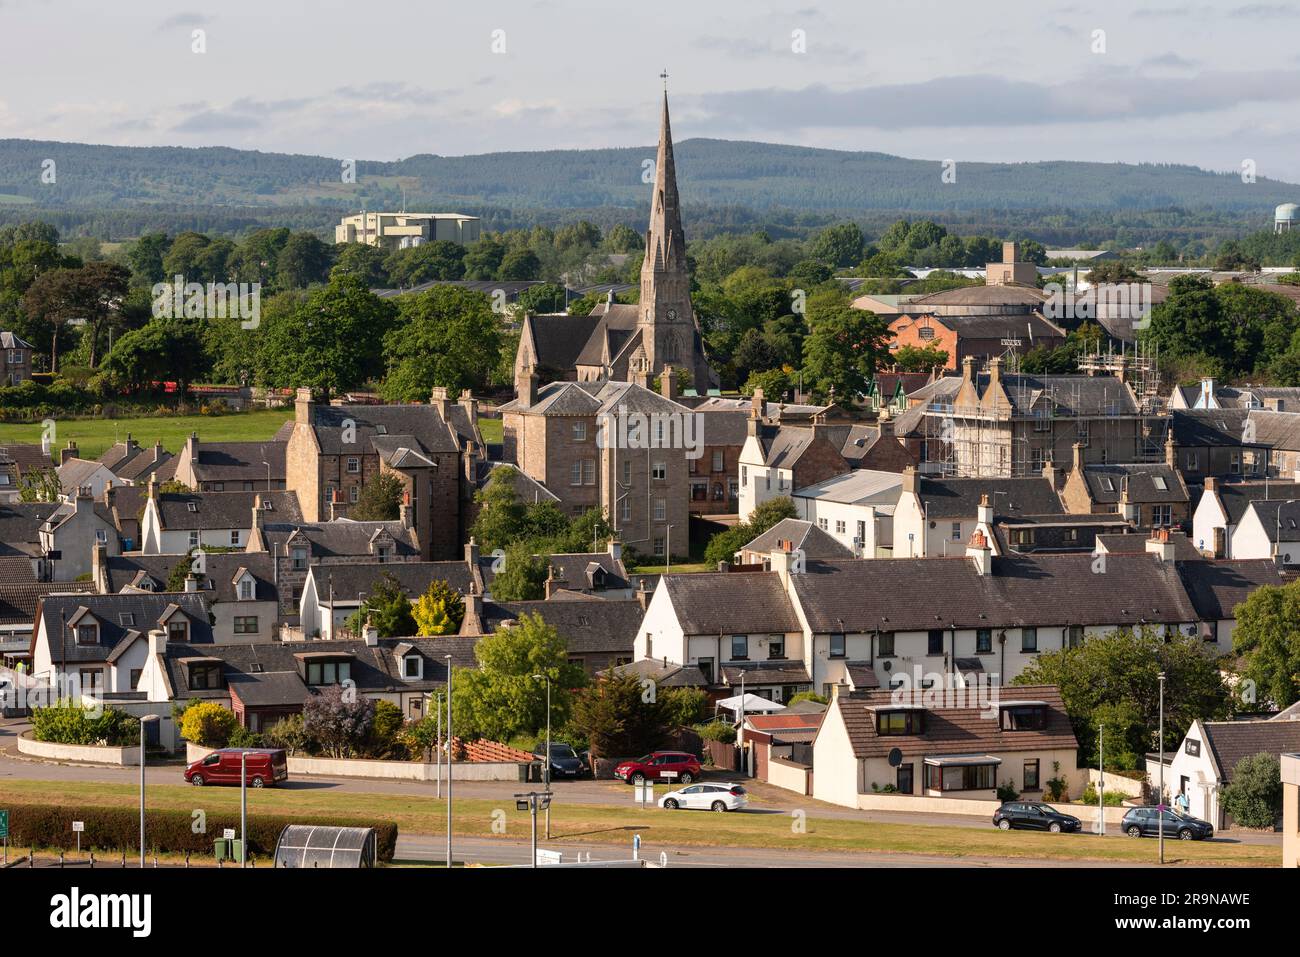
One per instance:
(783, 721)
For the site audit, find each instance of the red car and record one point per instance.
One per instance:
(660, 766)
(265, 767)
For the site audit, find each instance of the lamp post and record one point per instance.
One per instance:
(546, 765)
(243, 809)
(145, 719)
(447, 658)
(1160, 803)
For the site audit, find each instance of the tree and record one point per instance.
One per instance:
(1254, 794)
(208, 724)
(522, 576)
(441, 259)
(844, 348)
(387, 608)
(620, 717)
(684, 707)
(338, 720)
(500, 520)
(40, 485)
(145, 257)
(380, 499)
(839, 245)
(303, 260)
(501, 699)
(164, 350)
(330, 339)
(519, 264)
(725, 544)
(1267, 639)
(914, 359)
(439, 611)
(385, 729)
(446, 336)
(287, 733)
(364, 261)
(1115, 678)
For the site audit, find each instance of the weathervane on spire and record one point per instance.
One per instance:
(664, 76)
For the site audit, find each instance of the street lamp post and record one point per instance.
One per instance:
(243, 809)
(546, 765)
(1160, 803)
(447, 658)
(145, 719)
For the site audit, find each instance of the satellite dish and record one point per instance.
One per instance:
(895, 757)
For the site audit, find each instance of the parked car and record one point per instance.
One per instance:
(264, 767)
(1145, 822)
(565, 762)
(660, 766)
(712, 797)
(1033, 816)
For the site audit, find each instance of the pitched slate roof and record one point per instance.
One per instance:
(918, 594)
(139, 572)
(1279, 519)
(983, 295)
(1216, 588)
(20, 526)
(120, 617)
(10, 340)
(239, 461)
(1237, 497)
(951, 731)
(860, 486)
(343, 538)
(576, 569)
(1134, 542)
(182, 511)
(559, 340)
(527, 488)
(1010, 497)
(346, 581)
(19, 599)
(1107, 482)
(804, 535)
(28, 456)
(374, 669)
(663, 674)
(1230, 741)
(76, 472)
(717, 603)
(587, 625)
(766, 673)
(428, 432)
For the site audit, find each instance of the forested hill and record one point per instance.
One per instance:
(711, 172)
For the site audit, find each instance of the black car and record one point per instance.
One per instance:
(1145, 822)
(565, 762)
(1033, 817)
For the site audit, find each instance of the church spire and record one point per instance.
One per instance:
(665, 241)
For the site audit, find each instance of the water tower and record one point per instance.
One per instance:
(1286, 218)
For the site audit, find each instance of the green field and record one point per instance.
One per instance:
(93, 436)
(420, 813)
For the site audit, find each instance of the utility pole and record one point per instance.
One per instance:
(1101, 780)
(243, 809)
(447, 658)
(1160, 803)
(546, 765)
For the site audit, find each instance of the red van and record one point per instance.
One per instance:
(265, 767)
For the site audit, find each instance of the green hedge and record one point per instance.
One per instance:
(166, 831)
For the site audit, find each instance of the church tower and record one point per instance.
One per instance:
(667, 325)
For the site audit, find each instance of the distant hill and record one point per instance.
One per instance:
(712, 172)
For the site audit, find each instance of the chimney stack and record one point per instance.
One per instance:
(191, 582)
(642, 594)
(371, 634)
(984, 511)
(408, 510)
(471, 553)
(438, 399)
(1079, 457)
(1171, 450)
(1159, 544)
(668, 383)
(978, 550)
(69, 452)
(304, 406)
(615, 548)
(911, 480)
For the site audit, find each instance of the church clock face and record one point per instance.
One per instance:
(672, 315)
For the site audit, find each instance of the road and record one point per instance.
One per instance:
(764, 797)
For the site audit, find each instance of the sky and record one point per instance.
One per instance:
(1207, 84)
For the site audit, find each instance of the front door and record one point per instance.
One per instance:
(904, 781)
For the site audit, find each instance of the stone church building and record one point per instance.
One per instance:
(629, 343)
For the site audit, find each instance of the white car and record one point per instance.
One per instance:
(706, 797)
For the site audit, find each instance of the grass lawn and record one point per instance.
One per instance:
(93, 436)
(491, 429)
(424, 814)
(678, 568)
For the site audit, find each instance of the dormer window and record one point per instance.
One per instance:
(900, 722)
(328, 672)
(299, 555)
(178, 629)
(412, 667)
(384, 552)
(1023, 716)
(246, 589)
(88, 633)
(192, 506)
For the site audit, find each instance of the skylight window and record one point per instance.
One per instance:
(1161, 484)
